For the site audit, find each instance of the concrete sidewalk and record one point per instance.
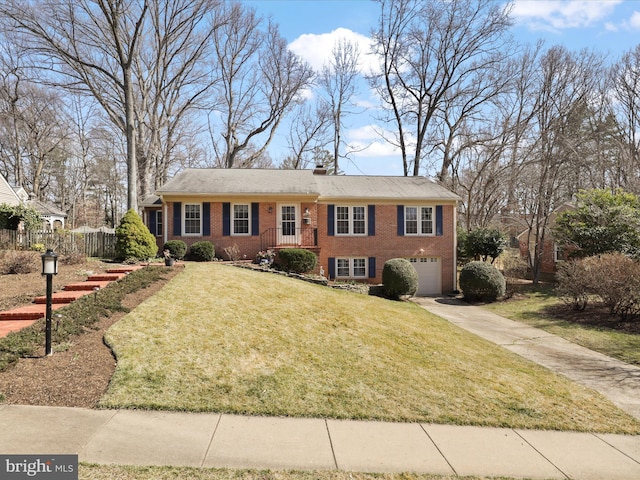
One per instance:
(616, 380)
(213, 440)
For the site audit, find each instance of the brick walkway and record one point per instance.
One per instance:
(23, 316)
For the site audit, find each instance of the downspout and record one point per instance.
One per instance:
(165, 223)
(455, 246)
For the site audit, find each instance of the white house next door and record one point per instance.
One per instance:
(288, 224)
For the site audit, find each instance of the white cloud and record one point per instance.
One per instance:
(558, 15)
(634, 21)
(316, 49)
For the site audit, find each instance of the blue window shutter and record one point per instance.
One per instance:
(226, 219)
(152, 221)
(372, 267)
(177, 218)
(332, 267)
(439, 220)
(206, 219)
(331, 220)
(372, 220)
(255, 219)
(400, 220)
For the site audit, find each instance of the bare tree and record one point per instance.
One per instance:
(625, 86)
(173, 76)
(89, 45)
(338, 81)
(309, 124)
(260, 80)
(430, 53)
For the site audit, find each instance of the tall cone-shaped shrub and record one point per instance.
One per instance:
(133, 239)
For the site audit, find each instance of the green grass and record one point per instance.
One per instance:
(116, 472)
(533, 309)
(224, 339)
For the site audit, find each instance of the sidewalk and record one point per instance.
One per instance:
(616, 380)
(214, 440)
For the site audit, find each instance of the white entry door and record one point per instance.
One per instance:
(288, 224)
(429, 275)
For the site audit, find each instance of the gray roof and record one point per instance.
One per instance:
(46, 209)
(237, 181)
(382, 188)
(229, 182)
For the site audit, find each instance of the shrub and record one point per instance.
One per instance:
(574, 285)
(177, 248)
(133, 239)
(202, 251)
(233, 252)
(615, 278)
(480, 281)
(297, 260)
(399, 278)
(17, 262)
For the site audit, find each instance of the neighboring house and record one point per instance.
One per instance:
(7, 194)
(552, 252)
(52, 217)
(354, 224)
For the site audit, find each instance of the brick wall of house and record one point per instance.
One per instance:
(386, 243)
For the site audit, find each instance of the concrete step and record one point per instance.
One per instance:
(28, 312)
(64, 296)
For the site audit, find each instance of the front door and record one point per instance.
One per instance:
(288, 224)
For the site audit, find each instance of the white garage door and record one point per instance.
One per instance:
(429, 275)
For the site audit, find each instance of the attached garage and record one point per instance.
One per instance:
(429, 275)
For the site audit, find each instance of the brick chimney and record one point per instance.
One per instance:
(320, 170)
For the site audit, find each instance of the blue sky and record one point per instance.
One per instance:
(312, 26)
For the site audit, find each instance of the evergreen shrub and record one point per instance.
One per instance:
(134, 241)
(297, 260)
(399, 278)
(480, 281)
(202, 251)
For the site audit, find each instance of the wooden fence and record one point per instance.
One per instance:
(94, 244)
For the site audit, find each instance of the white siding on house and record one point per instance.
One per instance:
(7, 195)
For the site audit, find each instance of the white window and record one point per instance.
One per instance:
(158, 223)
(351, 267)
(192, 219)
(351, 220)
(418, 221)
(558, 253)
(241, 219)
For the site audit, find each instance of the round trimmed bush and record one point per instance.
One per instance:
(399, 278)
(134, 241)
(177, 248)
(480, 281)
(202, 251)
(297, 260)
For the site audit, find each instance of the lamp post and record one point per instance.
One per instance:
(49, 269)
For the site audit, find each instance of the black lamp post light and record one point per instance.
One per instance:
(49, 269)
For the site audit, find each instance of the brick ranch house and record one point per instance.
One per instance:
(354, 224)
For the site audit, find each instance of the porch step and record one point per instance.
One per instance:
(28, 312)
(91, 286)
(63, 296)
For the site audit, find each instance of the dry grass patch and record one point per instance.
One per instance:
(223, 339)
(116, 472)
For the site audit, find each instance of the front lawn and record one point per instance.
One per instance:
(593, 328)
(223, 339)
